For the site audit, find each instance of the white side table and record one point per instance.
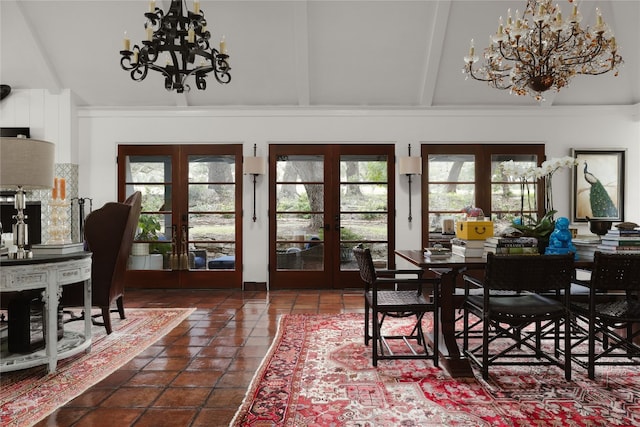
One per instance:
(49, 273)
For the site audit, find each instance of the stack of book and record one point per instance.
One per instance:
(467, 248)
(586, 246)
(57, 249)
(511, 245)
(620, 241)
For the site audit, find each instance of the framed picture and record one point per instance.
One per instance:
(598, 185)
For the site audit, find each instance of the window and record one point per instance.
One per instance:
(460, 176)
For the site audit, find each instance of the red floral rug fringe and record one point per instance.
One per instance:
(318, 372)
(29, 395)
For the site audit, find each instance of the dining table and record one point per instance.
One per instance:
(448, 269)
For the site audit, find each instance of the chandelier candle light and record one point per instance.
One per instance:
(540, 50)
(184, 40)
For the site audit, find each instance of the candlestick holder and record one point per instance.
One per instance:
(59, 223)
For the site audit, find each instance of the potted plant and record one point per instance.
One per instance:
(148, 227)
(540, 229)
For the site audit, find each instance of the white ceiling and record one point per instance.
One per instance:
(298, 53)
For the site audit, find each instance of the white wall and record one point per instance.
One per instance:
(50, 117)
(99, 132)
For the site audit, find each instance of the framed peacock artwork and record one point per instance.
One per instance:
(598, 185)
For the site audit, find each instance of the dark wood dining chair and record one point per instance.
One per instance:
(516, 316)
(612, 338)
(397, 294)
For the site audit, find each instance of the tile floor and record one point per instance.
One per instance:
(196, 375)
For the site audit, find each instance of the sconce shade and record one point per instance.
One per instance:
(26, 163)
(410, 166)
(254, 166)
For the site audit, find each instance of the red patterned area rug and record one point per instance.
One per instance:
(318, 373)
(29, 395)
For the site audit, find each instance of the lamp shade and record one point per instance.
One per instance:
(254, 166)
(26, 163)
(410, 165)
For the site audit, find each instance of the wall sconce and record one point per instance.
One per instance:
(410, 166)
(254, 166)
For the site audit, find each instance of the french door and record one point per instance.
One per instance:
(324, 200)
(190, 233)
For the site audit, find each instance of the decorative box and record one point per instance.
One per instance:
(474, 230)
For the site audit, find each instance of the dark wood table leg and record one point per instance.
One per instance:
(450, 356)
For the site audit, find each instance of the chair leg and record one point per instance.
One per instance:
(567, 345)
(538, 343)
(485, 348)
(465, 330)
(592, 350)
(120, 305)
(367, 337)
(106, 318)
(436, 336)
(376, 334)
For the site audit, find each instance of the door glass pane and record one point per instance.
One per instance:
(451, 168)
(215, 256)
(211, 217)
(150, 168)
(444, 197)
(363, 207)
(300, 212)
(450, 187)
(212, 197)
(151, 175)
(296, 197)
(300, 168)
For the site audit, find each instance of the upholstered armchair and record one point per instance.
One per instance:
(109, 233)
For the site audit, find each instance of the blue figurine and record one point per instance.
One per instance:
(560, 239)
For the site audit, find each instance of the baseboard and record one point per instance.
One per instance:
(254, 286)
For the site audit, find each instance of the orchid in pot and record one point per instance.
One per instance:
(526, 174)
(540, 228)
(546, 171)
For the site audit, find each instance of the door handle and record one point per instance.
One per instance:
(174, 258)
(184, 252)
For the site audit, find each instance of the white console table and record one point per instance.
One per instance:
(49, 273)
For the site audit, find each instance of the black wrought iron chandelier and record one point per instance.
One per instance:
(177, 45)
(540, 50)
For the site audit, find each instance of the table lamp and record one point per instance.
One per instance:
(25, 164)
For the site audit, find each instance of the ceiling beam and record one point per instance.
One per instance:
(434, 52)
(301, 40)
